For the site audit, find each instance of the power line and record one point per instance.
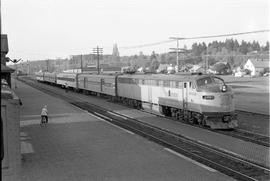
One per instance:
(146, 45)
(224, 35)
(190, 38)
(209, 55)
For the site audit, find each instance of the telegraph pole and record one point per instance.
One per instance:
(177, 49)
(98, 51)
(28, 68)
(81, 64)
(47, 65)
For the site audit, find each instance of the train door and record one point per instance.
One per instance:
(85, 82)
(101, 84)
(185, 95)
(149, 91)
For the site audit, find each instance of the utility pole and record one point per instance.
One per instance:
(98, 51)
(47, 65)
(81, 64)
(177, 49)
(28, 67)
(206, 60)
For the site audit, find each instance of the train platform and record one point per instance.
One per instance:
(75, 145)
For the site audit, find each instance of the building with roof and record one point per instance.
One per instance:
(257, 66)
(5, 70)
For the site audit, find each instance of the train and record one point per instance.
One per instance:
(194, 97)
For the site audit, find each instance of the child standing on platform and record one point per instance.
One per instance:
(44, 114)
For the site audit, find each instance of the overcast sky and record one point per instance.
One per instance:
(40, 29)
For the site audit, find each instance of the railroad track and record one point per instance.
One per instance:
(236, 133)
(251, 113)
(224, 162)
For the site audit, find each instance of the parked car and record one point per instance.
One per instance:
(266, 74)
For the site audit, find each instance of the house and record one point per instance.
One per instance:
(162, 67)
(257, 66)
(5, 70)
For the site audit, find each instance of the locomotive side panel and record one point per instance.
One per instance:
(50, 77)
(219, 103)
(68, 79)
(97, 83)
(193, 98)
(131, 88)
(89, 82)
(108, 85)
(39, 76)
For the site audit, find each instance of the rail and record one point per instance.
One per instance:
(226, 163)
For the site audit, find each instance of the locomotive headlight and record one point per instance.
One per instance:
(208, 97)
(224, 88)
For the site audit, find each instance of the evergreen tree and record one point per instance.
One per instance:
(243, 47)
(255, 46)
(266, 48)
(153, 56)
(235, 46)
(196, 50)
(163, 58)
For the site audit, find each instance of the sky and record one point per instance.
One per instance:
(42, 29)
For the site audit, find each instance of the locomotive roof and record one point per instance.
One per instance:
(49, 73)
(175, 77)
(172, 77)
(96, 75)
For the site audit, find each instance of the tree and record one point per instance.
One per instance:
(235, 46)
(163, 58)
(195, 49)
(243, 47)
(229, 44)
(154, 65)
(266, 48)
(255, 46)
(222, 68)
(153, 56)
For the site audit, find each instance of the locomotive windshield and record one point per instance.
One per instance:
(209, 81)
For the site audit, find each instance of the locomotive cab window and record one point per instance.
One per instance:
(185, 85)
(208, 81)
